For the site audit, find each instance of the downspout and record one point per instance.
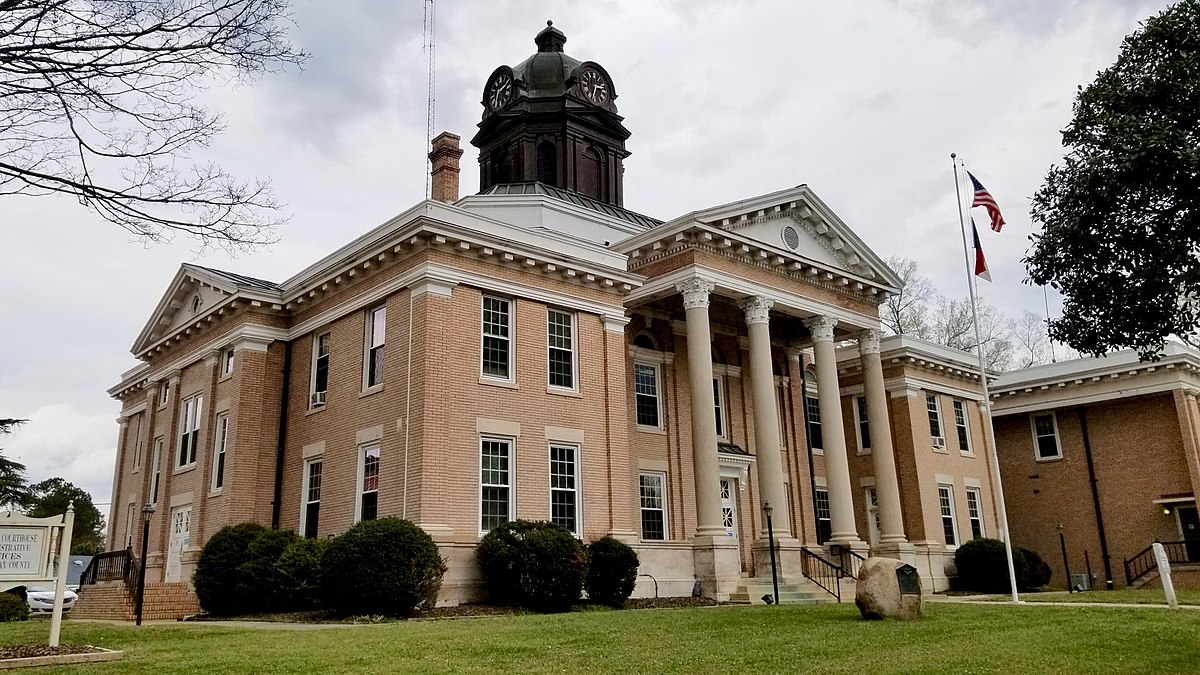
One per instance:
(407, 404)
(277, 503)
(1091, 465)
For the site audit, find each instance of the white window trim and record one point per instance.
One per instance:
(156, 470)
(817, 451)
(138, 450)
(968, 451)
(574, 349)
(193, 451)
(129, 516)
(368, 337)
(816, 514)
(721, 394)
(662, 476)
(657, 394)
(858, 407)
(971, 490)
(304, 485)
(512, 340)
(941, 421)
(220, 446)
(1037, 455)
(312, 377)
(953, 515)
(512, 483)
(361, 474)
(871, 510)
(575, 448)
(227, 361)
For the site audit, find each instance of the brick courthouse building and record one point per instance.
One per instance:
(537, 351)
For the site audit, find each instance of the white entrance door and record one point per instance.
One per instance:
(181, 522)
(729, 506)
(872, 515)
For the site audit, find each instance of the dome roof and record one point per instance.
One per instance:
(545, 74)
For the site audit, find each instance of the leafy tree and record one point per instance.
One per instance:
(51, 497)
(97, 101)
(14, 488)
(1121, 214)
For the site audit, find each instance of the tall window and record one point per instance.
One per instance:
(960, 425)
(645, 385)
(137, 444)
(368, 487)
(220, 442)
(319, 384)
(812, 420)
(864, 429)
(312, 498)
(560, 340)
(164, 392)
(975, 511)
(564, 490)
(189, 429)
(824, 520)
(653, 490)
(719, 405)
(227, 362)
(129, 516)
(946, 502)
(1045, 436)
(547, 163)
(872, 501)
(497, 338)
(935, 420)
(495, 498)
(156, 469)
(376, 333)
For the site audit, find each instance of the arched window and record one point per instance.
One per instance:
(645, 341)
(547, 163)
(591, 172)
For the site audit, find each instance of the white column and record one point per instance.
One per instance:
(704, 423)
(833, 434)
(766, 415)
(887, 488)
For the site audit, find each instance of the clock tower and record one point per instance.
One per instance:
(552, 119)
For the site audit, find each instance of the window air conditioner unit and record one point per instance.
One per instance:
(317, 398)
(939, 441)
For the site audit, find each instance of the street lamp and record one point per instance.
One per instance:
(1062, 542)
(767, 509)
(147, 511)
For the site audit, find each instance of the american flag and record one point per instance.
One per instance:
(986, 200)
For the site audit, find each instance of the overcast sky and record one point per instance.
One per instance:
(863, 101)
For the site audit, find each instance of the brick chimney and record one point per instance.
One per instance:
(444, 158)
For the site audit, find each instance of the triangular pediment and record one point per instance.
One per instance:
(192, 295)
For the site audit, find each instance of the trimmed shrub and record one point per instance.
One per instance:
(258, 579)
(299, 569)
(537, 565)
(1037, 572)
(983, 567)
(386, 566)
(612, 571)
(13, 607)
(216, 576)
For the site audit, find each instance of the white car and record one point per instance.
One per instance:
(41, 599)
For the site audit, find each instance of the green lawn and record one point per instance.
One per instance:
(831, 638)
(1140, 596)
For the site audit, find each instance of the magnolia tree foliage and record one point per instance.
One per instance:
(98, 102)
(1121, 215)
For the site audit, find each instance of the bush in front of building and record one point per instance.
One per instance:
(299, 569)
(259, 578)
(13, 608)
(387, 566)
(612, 571)
(1037, 572)
(216, 576)
(538, 565)
(983, 566)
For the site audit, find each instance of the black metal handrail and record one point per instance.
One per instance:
(110, 566)
(849, 561)
(1143, 563)
(821, 572)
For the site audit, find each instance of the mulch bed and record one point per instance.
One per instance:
(28, 651)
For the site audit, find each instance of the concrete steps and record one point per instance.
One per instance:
(803, 592)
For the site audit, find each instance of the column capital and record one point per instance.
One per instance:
(695, 292)
(757, 308)
(868, 341)
(821, 328)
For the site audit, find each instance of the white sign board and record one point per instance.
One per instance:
(23, 551)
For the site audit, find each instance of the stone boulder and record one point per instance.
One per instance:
(886, 588)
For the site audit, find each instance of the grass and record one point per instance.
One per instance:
(831, 638)
(1139, 596)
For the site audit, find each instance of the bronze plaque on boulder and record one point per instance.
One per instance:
(906, 577)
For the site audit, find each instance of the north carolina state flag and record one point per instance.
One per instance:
(981, 268)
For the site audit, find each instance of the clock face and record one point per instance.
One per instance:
(593, 86)
(500, 92)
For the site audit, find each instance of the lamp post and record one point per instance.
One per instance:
(147, 511)
(767, 509)
(1062, 542)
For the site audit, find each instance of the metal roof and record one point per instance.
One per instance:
(537, 188)
(243, 281)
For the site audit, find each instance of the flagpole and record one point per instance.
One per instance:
(985, 408)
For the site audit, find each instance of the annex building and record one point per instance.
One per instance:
(538, 351)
